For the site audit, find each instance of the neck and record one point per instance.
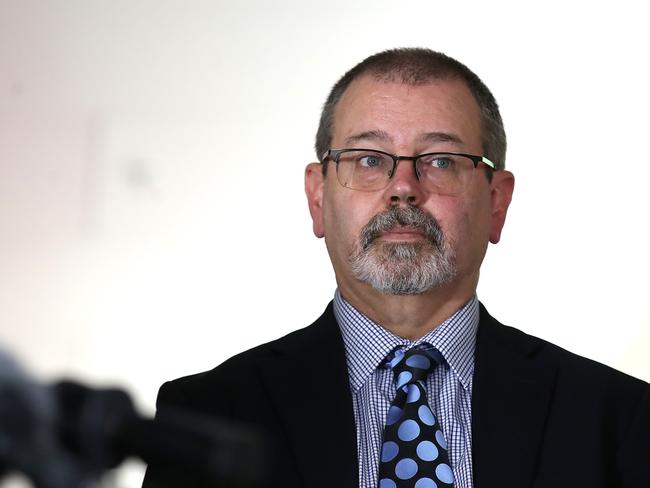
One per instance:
(409, 316)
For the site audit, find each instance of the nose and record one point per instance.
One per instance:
(404, 188)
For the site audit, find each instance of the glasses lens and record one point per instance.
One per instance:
(447, 174)
(364, 170)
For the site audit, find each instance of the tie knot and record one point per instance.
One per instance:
(414, 364)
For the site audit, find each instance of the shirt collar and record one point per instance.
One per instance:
(367, 343)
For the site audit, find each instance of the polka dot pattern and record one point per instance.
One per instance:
(414, 452)
(394, 414)
(412, 394)
(406, 469)
(403, 378)
(418, 361)
(440, 438)
(389, 451)
(425, 483)
(427, 451)
(387, 483)
(408, 430)
(444, 473)
(399, 355)
(426, 415)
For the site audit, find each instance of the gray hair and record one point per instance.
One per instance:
(404, 268)
(418, 66)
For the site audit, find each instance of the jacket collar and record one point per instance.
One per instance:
(510, 402)
(308, 383)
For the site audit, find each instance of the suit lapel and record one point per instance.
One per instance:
(308, 384)
(510, 401)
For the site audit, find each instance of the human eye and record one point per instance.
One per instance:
(370, 160)
(439, 161)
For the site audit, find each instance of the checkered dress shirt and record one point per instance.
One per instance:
(449, 388)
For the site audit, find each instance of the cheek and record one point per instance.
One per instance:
(341, 231)
(464, 226)
(473, 232)
(457, 231)
(451, 216)
(345, 214)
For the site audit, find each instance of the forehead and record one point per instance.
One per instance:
(403, 115)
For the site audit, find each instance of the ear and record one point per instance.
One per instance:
(501, 188)
(314, 181)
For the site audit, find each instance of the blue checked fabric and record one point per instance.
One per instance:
(414, 449)
(449, 387)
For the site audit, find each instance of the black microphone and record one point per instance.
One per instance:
(66, 435)
(28, 440)
(102, 428)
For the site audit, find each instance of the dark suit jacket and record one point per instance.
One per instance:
(541, 416)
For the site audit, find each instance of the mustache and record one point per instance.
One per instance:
(407, 216)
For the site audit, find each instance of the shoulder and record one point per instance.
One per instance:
(571, 370)
(203, 389)
(533, 391)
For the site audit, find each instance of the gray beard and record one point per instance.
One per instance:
(403, 268)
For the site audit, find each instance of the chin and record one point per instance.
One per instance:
(404, 268)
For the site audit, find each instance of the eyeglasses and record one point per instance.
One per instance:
(370, 170)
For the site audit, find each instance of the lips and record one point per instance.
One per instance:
(402, 224)
(403, 232)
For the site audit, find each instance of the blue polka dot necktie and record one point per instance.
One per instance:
(414, 450)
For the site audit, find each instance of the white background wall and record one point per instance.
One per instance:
(152, 216)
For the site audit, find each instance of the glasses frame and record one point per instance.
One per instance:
(335, 154)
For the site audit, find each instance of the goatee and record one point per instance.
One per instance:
(403, 268)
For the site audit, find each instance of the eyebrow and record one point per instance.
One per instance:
(441, 137)
(380, 135)
(368, 135)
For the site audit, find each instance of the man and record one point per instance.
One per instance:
(406, 380)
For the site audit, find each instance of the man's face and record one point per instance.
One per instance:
(441, 116)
